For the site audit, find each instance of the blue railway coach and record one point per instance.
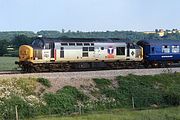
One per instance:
(160, 52)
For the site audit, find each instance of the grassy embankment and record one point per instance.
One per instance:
(147, 92)
(125, 114)
(8, 63)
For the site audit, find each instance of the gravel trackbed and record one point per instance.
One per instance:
(76, 79)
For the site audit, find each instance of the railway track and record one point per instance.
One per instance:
(174, 66)
(129, 71)
(9, 72)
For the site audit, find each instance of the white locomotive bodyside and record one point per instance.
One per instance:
(89, 52)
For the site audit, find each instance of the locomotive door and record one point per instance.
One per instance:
(52, 49)
(62, 52)
(128, 50)
(97, 52)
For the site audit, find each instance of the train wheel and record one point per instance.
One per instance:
(155, 65)
(137, 65)
(25, 69)
(146, 65)
(32, 70)
(163, 64)
(65, 67)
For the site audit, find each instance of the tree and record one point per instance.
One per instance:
(3, 47)
(49, 34)
(21, 40)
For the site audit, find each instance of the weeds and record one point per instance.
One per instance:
(44, 82)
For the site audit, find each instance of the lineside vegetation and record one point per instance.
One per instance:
(125, 92)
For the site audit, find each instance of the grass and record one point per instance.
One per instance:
(153, 114)
(8, 63)
(17, 86)
(102, 82)
(44, 82)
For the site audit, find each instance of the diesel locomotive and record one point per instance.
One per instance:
(66, 54)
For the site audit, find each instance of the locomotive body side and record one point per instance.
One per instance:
(63, 55)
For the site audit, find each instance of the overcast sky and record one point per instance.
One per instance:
(89, 15)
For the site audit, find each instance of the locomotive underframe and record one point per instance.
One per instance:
(76, 66)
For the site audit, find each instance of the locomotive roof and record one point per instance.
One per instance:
(103, 40)
(159, 42)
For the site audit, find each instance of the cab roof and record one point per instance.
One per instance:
(101, 40)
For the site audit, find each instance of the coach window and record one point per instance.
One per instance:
(86, 44)
(71, 44)
(175, 49)
(166, 49)
(85, 48)
(85, 52)
(91, 48)
(79, 44)
(153, 51)
(47, 46)
(92, 44)
(120, 51)
(64, 44)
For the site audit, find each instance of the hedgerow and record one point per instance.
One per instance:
(146, 91)
(64, 100)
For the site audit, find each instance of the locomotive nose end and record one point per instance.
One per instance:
(25, 53)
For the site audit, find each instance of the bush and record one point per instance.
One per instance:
(74, 92)
(142, 89)
(7, 109)
(159, 90)
(64, 101)
(172, 99)
(59, 103)
(101, 83)
(44, 82)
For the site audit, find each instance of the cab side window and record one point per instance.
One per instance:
(47, 46)
(38, 43)
(120, 51)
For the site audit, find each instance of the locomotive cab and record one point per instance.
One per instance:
(134, 52)
(25, 53)
(25, 58)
